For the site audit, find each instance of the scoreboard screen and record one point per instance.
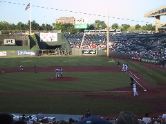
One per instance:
(48, 37)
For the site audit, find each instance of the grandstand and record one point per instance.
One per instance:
(148, 47)
(143, 47)
(157, 13)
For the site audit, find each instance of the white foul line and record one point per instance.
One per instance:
(134, 75)
(131, 74)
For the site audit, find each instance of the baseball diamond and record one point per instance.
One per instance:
(75, 71)
(89, 84)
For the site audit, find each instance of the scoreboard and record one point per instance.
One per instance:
(9, 42)
(48, 37)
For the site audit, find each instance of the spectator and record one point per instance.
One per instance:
(127, 118)
(88, 113)
(146, 119)
(164, 118)
(6, 118)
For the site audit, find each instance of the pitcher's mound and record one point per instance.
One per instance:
(63, 79)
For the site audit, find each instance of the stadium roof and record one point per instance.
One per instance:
(157, 12)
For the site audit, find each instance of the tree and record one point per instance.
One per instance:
(137, 27)
(91, 27)
(148, 27)
(115, 26)
(46, 27)
(57, 26)
(100, 25)
(125, 27)
(131, 29)
(4, 25)
(35, 26)
(49, 27)
(64, 27)
(13, 27)
(21, 26)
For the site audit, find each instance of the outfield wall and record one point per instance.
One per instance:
(17, 40)
(24, 45)
(88, 52)
(17, 53)
(15, 45)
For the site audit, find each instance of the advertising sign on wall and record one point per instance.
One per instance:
(9, 42)
(89, 51)
(25, 52)
(81, 26)
(3, 53)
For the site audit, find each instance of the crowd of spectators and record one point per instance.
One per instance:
(86, 41)
(74, 39)
(123, 117)
(145, 47)
(140, 46)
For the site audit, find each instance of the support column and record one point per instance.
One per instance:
(157, 23)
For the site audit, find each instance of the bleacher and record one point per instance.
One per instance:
(146, 46)
(135, 45)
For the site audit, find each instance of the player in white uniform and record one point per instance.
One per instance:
(21, 68)
(135, 93)
(123, 67)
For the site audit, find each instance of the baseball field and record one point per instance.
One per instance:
(95, 83)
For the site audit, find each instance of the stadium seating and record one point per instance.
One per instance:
(147, 47)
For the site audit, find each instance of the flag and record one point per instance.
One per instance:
(27, 7)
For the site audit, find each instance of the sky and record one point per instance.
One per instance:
(122, 9)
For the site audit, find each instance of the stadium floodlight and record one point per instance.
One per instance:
(108, 37)
(28, 8)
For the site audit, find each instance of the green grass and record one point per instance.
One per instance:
(70, 104)
(85, 82)
(155, 76)
(52, 61)
(32, 92)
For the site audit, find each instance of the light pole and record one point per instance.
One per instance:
(108, 38)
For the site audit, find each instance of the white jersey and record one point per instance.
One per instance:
(134, 85)
(135, 93)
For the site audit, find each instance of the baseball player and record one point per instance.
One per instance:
(21, 68)
(61, 72)
(57, 72)
(135, 93)
(123, 67)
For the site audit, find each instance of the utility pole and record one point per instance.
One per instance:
(108, 38)
(30, 27)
